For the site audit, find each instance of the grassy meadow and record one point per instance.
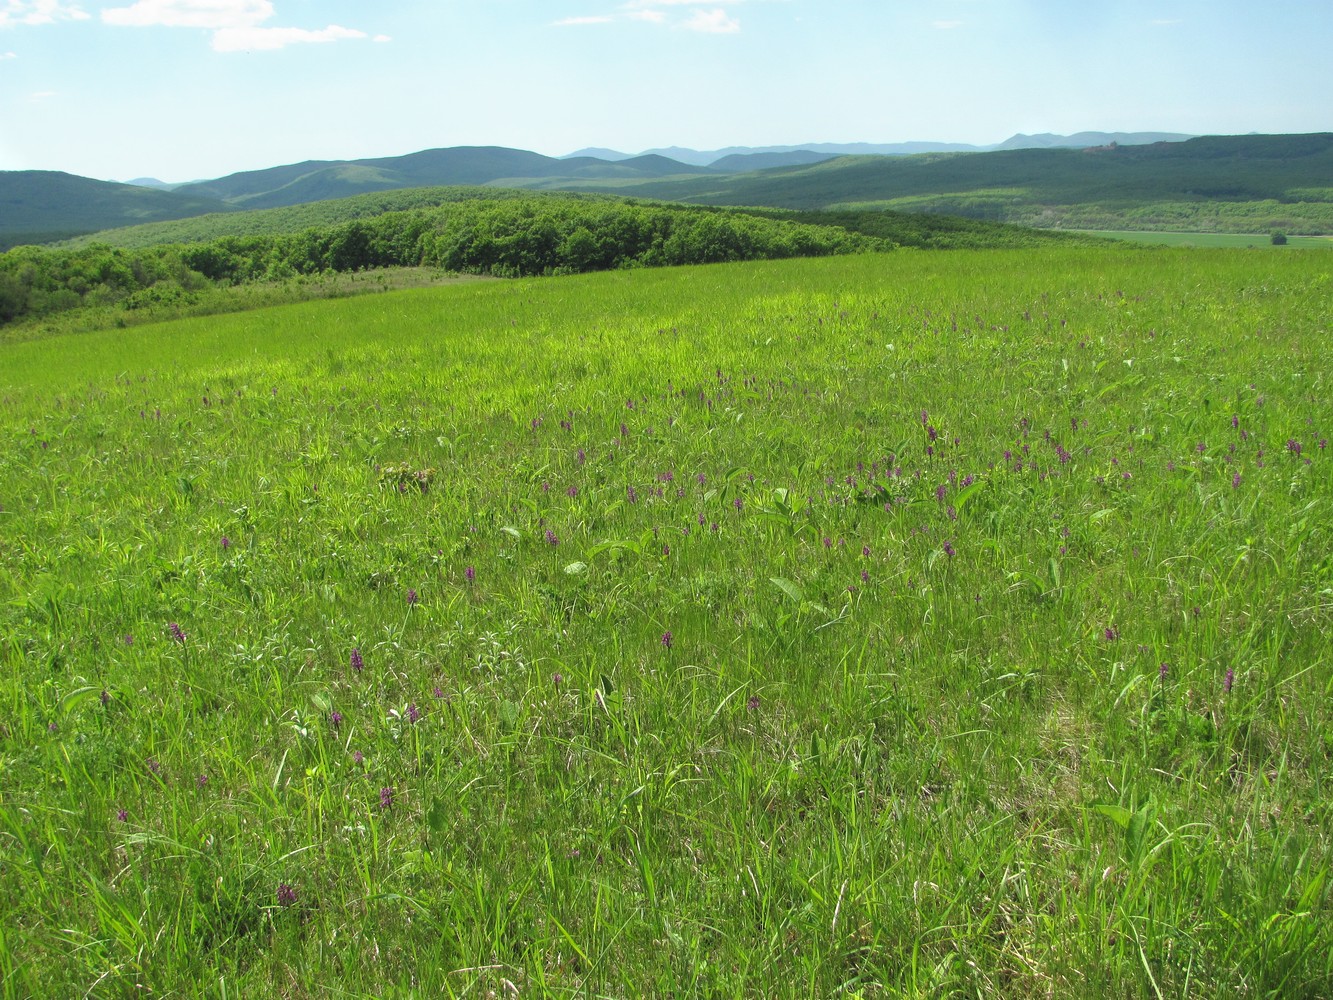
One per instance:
(1247, 240)
(896, 625)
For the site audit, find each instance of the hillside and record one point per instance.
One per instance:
(1256, 182)
(1223, 183)
(45, 205)
(321, 180)
(899, 228)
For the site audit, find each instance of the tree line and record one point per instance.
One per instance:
(509, 238)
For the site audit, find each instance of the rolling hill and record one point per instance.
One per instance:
(38, 206)
(1242, 184)
(1251, 182)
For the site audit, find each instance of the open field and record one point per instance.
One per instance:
(899, 625)
(1214, 239)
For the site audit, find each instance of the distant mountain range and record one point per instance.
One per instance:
(1046, 140)
(1020, 183)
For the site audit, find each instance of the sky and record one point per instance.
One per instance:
(194, 89)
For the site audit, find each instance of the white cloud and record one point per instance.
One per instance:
(270, 39)
(571, 21)
(651, 16)
(41, 95)
(641, 4)
(14, 12)
(217, 15)
(8, 55)
(713, 22)
(237, 25)
(946, 25)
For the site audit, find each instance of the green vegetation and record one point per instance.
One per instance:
(1214, 239)
(892, 625)
(297, 218)
(1249, 184)
(1224, 183)
(45, 205)
(189, 267)
(501, 237)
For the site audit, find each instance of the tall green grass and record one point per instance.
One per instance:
(906, 625)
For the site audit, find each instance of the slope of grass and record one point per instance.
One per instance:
(898, 625)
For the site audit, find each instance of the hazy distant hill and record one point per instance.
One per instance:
(1082, 140)
(705, 158)
(42, 205)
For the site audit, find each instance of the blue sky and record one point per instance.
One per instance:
(186, 89)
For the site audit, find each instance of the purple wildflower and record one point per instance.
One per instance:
(1293, 446)
(753, 703)
(1228, 680)
(557, 679)
(738, 503)
(949, 550)
(201, 781)
(336, 718)
(122, 815)
(1235, 480)
(226, 543)
(129, 639)
(357, 662)
(105, 697)
(386, 797)
(286, 894)
(1162, 672)
(666, 639)
(551, 538)
(358, 757)
(1111, 634)
(413, 713)
(176, 633)
(470, 573)
(412, 598)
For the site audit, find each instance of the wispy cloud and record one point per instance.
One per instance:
(573, 21)
(214, 14)
(14, 12)
(269, 39)
(688, 15)
(713, 22)
(41, 95)
(946, 25)
(8, 55)
(237, 25)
